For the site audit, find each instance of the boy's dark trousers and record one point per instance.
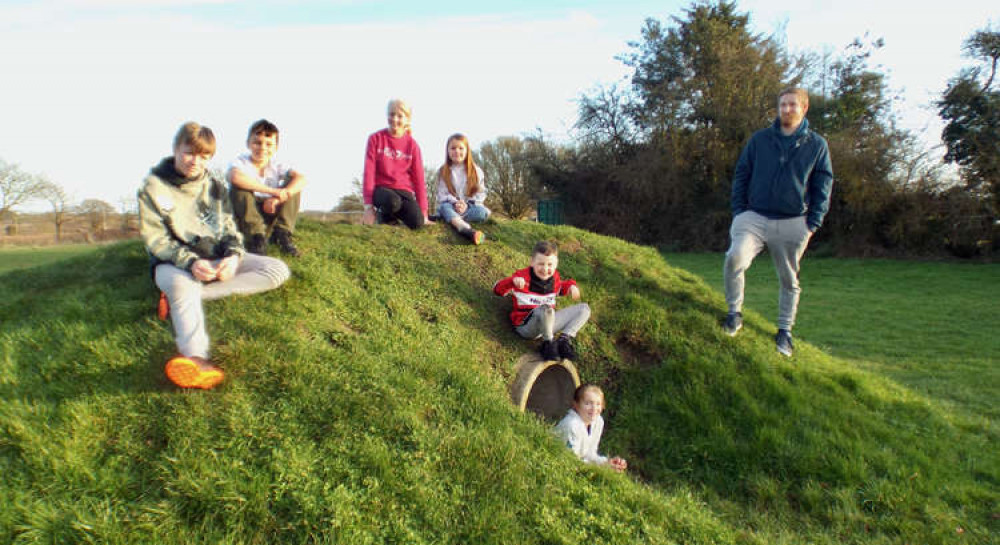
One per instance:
(251, 218)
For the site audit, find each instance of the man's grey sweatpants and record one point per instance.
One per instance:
(184, 293)
(786, 241)
(545, 321)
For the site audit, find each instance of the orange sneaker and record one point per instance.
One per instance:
(193, 372)
(163, 307)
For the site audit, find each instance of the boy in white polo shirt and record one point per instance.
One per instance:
(265, 193)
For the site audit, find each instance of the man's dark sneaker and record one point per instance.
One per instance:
(476, 237)
(733, 323)
(566, 348)
(284, 241)
(783, 342)
(549, 351)
(257, 244)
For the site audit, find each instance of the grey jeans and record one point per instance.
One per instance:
(184, 293)
(545, 321)
(786, 241)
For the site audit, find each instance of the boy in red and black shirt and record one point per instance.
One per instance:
(534, 292)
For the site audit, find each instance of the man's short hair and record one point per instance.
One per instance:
(799, 92)
(264, 127)
(545, 247)
(201, 139)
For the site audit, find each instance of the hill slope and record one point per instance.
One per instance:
(366, 403)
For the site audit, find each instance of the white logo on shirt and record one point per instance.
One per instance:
(534, 299)
(395, 154)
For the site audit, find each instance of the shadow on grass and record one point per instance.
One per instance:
(84, 327)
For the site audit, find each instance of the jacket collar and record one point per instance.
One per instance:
(538, 285)
(165, 171)
(799, 132)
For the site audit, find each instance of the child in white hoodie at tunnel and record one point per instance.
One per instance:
(582, 427)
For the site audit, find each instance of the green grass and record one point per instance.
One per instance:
(929, 325)
(366, 402)
(20, 258)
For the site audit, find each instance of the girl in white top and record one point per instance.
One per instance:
(460, 189)
(582, 426)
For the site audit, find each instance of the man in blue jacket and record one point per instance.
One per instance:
(781, 192)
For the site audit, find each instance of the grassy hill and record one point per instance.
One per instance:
(366, 402)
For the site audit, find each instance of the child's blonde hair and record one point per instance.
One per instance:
(578, 393)
(401, 105)
(471, 176)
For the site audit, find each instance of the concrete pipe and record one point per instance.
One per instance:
(544, 387)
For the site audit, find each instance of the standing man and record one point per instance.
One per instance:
(781, 192)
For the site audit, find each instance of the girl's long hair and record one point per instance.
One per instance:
(403, 106)
(471, 176)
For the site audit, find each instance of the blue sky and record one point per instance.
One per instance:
(298, 12)
(93, 90)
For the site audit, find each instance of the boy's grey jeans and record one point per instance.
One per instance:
(786, 241)
(184, 293)
(545, 321)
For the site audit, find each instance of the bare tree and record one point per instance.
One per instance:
(607, 118)
(511, 184)
(128, 207)
(60, 202)
(352, 202)
(96, 212)
(430, 182)
(16, 187)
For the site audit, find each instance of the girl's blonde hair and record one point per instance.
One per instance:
(578, 394)
(401, 105)
(471, 176)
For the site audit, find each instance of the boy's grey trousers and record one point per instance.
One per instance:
(546, 321)
(184, 293)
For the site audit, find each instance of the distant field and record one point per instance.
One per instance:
(19, 258)
(931, 325)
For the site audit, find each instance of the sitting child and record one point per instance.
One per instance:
(460, 189)
(393, 186)
(534, 315)
(265, 192)
(196, 250)
(582, 426)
